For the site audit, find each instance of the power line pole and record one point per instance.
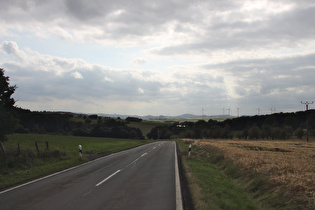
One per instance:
(306, 104)
(306, 107)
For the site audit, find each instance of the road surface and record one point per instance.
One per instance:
(141, 178)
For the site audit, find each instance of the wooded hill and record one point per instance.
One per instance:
(73, 124)
(275, 126)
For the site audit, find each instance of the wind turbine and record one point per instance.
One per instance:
(259, 110)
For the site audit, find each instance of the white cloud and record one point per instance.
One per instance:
(210, 54)
(10, 47)
(77, 75)
(52, 81)
(140, 90)
(138, 61)
(108, 79)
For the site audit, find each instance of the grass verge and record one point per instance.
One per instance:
(26, 163)
(210, 188)
(262, 190)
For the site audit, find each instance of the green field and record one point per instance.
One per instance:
(146, 126)
(17, 167)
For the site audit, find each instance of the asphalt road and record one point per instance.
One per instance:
(141, 178)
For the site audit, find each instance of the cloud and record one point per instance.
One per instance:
(10, 47)
(258, 30)
(281, 81)
(140, 90)
(210, 54)
(53, 78)
(77, 75)
(117, 21)
(138, 61)
(108, 79)
(210, 25)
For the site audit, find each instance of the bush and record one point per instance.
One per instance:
(26, 158)
(133, 119)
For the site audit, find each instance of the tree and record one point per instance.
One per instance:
(133, 119)
(254, 132)
(7, 122)
(6, 91)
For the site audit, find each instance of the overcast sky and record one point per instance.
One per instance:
(165, 57)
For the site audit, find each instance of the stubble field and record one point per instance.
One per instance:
(289, 165)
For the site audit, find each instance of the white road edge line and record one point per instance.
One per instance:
(45, 177)
(63, 171)
(107, 178)
(59, 172)
(179, 202)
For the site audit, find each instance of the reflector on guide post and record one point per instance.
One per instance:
(80, 150)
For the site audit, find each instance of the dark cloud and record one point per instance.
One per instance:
(287, 29)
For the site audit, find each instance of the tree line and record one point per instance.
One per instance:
(275, 126)
(19, 120)
(73, 124)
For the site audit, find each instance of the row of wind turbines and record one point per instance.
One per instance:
(227, 111)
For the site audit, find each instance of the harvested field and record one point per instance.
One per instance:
(290, 165)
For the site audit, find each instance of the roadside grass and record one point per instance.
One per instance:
(62, 152)
(287, 167)
(210, 187)
(276, 174)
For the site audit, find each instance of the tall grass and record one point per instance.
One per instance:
(25, 162)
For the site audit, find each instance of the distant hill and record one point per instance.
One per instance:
(165, 117)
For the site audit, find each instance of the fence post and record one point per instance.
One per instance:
(3, 148)
(19, 149)
(47, 146)
(36, 147)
